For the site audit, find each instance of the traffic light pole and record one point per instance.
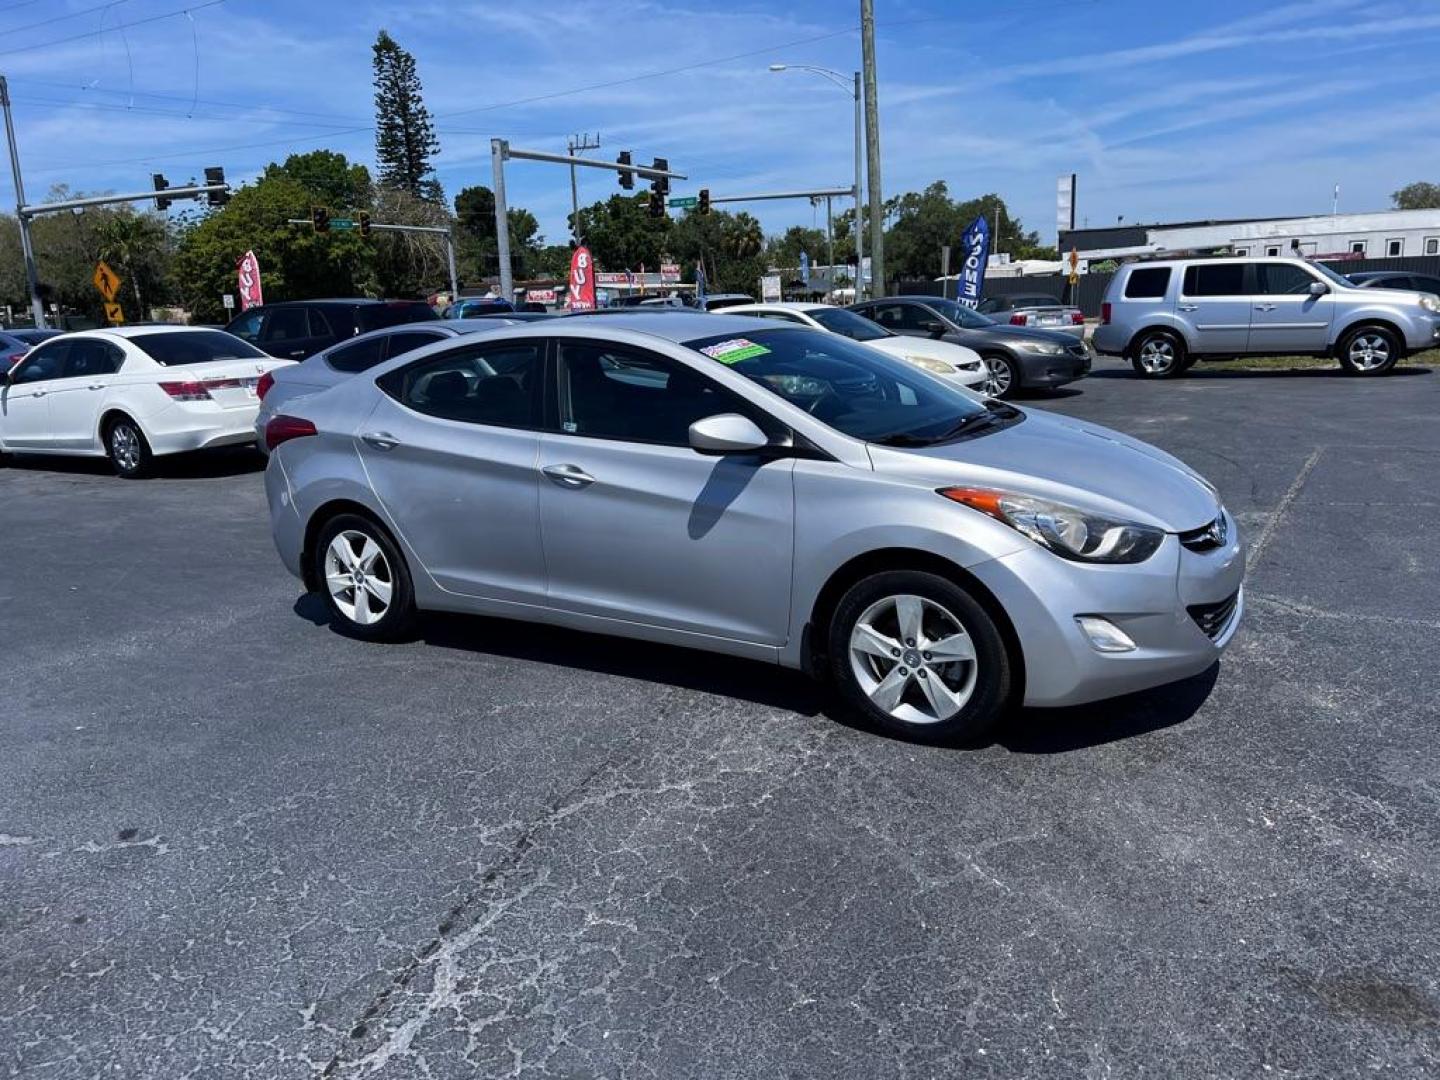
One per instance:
(501, 151)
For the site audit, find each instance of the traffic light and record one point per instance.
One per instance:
(657, 204)
(364, 218)
(703, 206)
(320, 218)
(161, 203)
(661, 183)
(216, 175)
(627, 178)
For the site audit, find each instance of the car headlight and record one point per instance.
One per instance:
(1072, 534)
(1430, 303)
(935, 367)
(1044, 348)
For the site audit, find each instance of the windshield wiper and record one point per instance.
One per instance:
(968, 424)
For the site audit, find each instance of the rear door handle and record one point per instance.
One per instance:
(1189, 307)
(381, 440)
(571, 476)
(1264, 307)
(95, 386)
(38, 393)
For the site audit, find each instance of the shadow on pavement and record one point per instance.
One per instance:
(201, 465)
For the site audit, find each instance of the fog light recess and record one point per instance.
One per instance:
(1104, 635)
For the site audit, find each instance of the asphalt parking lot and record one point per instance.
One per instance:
(236, 844)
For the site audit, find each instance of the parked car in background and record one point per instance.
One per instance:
(470, 307)
(1164, 316)
(719, 301)
(340, 362)
(1018, 358)
(941, 557)
(1039, 310)
(954, 363)
(133, 394)
(12, 350)
(32, 336)
(1396, 279)
(295, 329)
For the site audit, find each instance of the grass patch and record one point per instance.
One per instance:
(1428, 358)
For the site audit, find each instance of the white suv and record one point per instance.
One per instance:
(1164, 316)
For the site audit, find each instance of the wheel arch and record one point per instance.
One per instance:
(108, 416)
(322, 516)
(1172, 328)
(1362, 321)
(915, 559)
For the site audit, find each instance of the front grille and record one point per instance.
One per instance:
(1207, 537)
(1214, 618)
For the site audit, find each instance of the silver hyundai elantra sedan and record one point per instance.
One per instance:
(771, 492)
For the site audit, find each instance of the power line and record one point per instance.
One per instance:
(117, 26)
(109, 107)
(62, 18)
(255, 106)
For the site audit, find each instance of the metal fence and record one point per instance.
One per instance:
(1089, 294)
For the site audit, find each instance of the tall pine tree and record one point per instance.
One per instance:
(404, 135)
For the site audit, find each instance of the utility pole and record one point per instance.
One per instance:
(872, 146)
(830, 241)
(37, 308)
(859, 188)
(578, 142)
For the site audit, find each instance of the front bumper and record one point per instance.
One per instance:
(1426, 335)
(1151, 601)
(1039, 370)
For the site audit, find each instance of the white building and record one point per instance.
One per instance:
(1379, 235)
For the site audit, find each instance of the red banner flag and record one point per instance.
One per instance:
(582, 281)
(249, 281)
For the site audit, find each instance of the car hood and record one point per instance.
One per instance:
(1006, 330)
(1069, 461)
(947, 351)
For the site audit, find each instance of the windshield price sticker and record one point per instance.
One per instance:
(734, 350)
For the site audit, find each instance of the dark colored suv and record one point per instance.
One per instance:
(295, 329)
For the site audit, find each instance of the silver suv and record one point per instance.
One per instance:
(1163, 316)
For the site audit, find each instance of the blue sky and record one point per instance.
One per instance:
(1165, 110)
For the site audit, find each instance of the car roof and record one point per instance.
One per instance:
(681, 326)
(783, 305)
(354, 301)
(152, 328)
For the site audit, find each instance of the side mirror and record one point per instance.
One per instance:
(727, 433)
(1318, 288)
(933, 327)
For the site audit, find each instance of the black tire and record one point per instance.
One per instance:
(1369, 350)
(983, 683)
(1003, 373)
(397, 619)
(1158, 354)
(127, 449)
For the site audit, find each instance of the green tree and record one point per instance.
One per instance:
(621, 235)
(335, 182)
(784, 252)
(1420, 195)
(478, 253)
(404, 133)
(134, 245)
(717, 239)
(921, 223)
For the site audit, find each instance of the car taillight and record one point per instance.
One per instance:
(1019, 319)
(263, 386)
(7, 362)
(1077, 318)
(1105, 313)
(283, 428)
(186, 391)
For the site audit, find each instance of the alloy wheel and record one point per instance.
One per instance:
(997, 377)
(1369, 351)
(914, 659)
(125, 446)
(1157, 355)
(358, 577)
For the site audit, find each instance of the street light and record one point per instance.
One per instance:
(851, 86)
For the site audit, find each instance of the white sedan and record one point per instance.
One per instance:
(954, 363)
(132, 394)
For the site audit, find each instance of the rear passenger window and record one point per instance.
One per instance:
(494, 384)
(400, 344)
(1216, 279)
(1148, 284)
(361, 356)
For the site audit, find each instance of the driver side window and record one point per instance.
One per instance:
(247, 327)
(43, 364)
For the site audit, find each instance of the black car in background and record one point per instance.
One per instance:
(1396, 279)
(1018, 357)
(295, 329)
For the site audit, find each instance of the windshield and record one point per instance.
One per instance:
(182, 347)
(854, 389)
(855, 327)
(1325, 271)
(962, 316)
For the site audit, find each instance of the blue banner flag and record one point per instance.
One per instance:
(699, 284)
(805, 269)
(975, 253)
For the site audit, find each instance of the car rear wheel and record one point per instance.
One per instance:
(1158, 354)
(1001, 378)
(917, 657)
(364, 580)
(1369, 350)
(126, 446)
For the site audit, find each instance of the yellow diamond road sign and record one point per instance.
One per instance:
(106, 280)
(113, 315)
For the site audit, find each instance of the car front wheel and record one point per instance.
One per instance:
(364, 580)
(1369, 350)
(917, 657)
(1001, 378)
(1158, 354)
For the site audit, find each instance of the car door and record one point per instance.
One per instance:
(286, 333)
(638, 526)
(90, 368)
(1215, 304)
(1284, 317)
(25, 399)
(451, 451)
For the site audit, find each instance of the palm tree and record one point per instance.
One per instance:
(745, 239)
(130, 240)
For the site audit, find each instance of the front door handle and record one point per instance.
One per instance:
(95, 386)
(571, 476)
(38, 393)
(380, 440)
(1189, 307)
(1264, 307)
